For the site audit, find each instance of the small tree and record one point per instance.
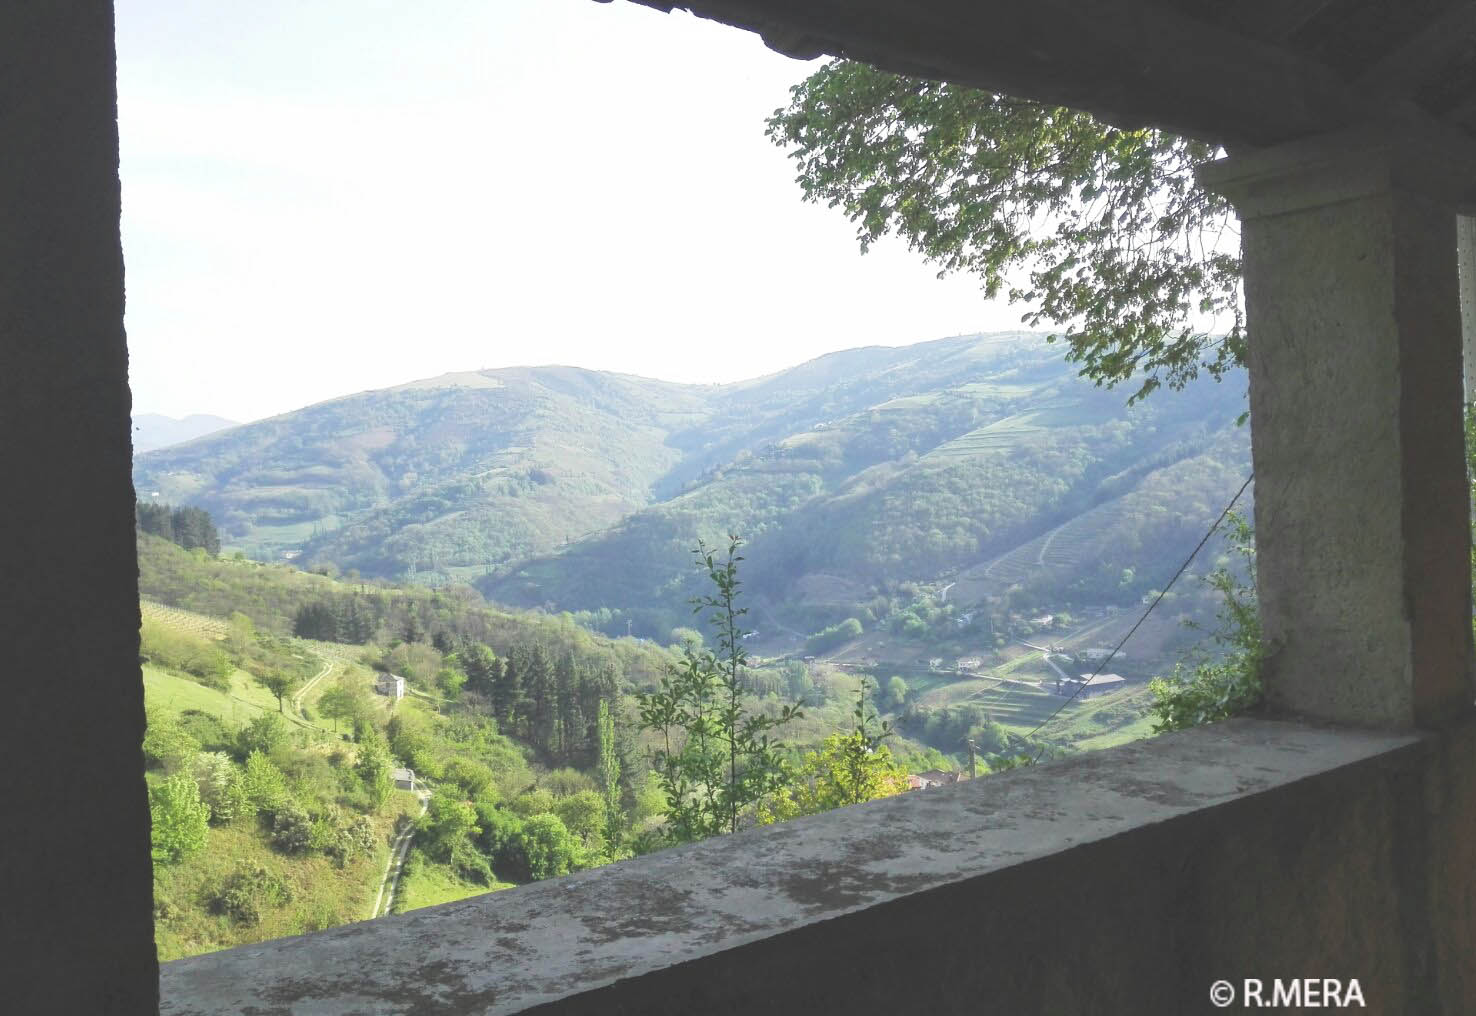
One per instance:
(181, 821)
(220, 785)
(448, 825)
(373, 768)
(292, 828)
(167, 743)
(263, 783)
(547, 849)
(1213, 689)
(265, 733)
(609, 773)
(278, 683)
(716, 760)
(849, 768)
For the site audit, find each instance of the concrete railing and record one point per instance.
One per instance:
(1127, 880)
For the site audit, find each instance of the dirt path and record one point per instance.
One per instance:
(307, 686)
(385, 898)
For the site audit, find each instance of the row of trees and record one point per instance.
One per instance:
(190, 528)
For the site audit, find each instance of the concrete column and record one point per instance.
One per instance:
(1354, 316)
(76, 929)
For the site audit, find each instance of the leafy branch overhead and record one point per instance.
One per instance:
(1103, 230)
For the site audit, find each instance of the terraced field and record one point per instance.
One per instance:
(184, 620)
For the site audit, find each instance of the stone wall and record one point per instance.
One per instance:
(1128, 880)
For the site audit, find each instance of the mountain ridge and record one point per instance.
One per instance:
(577, 489)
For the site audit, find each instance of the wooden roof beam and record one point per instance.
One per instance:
(1127, 61)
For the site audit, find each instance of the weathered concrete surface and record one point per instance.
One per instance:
(1362, 512)
(1123, 881)
(76, 930)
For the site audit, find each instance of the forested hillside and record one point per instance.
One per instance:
(939, 487)
(966, 460)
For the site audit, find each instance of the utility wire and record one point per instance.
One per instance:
(1182, 568)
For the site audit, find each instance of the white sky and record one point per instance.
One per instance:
(325, 196)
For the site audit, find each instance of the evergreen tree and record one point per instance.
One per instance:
(507, 693)
(542, 698)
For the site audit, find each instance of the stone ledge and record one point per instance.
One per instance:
(859, 889)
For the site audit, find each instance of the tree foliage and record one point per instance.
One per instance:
(190, 528)
(1215, 688)
(181, 821)
(716, 760)
(848, 768)
(373, 768)
(1115, 239)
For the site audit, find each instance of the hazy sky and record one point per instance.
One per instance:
(324, 196)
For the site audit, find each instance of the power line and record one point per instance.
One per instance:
(1182, 568)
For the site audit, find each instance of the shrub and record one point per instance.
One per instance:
(248, 890)
(292, 829)
(547, 848)
(221, 786)
(181, 821)
(167, 744)
(264, 785)
(266, 733)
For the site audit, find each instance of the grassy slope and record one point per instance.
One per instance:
(430, 884)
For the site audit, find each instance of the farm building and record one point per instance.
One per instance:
(404, 778)
(392, 685)
(1101, 684)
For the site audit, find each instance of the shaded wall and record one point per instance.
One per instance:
(76, 932)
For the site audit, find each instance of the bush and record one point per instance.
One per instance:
(266, 733)
(181, 821)
(247, 891)
(207, 730)
(264, 785)
(564, 782)
(221, 786)
(534, 802)
(547, 848)
(837, 634)
(292, 829)
(472, 777)
(167, 744)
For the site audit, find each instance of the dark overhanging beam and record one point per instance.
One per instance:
(1126, 61)
(1422, 58)
(1276, 20)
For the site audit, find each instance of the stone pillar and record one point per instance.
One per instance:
(76, 929)
(1362, 516)
(1466, 255)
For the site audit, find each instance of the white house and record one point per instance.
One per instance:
(392, 685)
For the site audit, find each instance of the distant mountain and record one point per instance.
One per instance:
(152, 431)
(991, 468)
(850, 474)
